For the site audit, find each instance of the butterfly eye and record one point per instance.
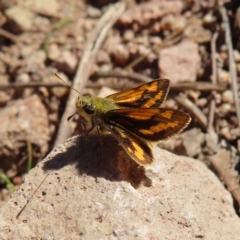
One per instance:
(89, 109)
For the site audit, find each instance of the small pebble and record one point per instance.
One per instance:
(227, 97)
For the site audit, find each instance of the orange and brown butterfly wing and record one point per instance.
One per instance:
(139, 150)
(152, 124)
(149, 95)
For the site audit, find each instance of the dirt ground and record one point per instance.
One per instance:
(193, 43)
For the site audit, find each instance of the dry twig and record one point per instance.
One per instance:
(92, 46)
(222, 163)
(9, 35)
(197, 86)
(214, 81)
(232, 64)
(192, 109)
(31, 85)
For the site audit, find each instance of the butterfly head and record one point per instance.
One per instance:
(85, 107)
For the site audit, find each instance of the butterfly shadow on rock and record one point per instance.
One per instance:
(99, 157)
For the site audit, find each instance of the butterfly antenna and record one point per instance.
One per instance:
(24, 207)
(68, 84)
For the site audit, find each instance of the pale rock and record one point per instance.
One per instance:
(234, 133)
(156, 40)
(67, 62)
(194, 94)
(37, 58)
(48, 7)
(209, 19)
(211, 142)
(223, 123)
(105, 68)
(121, 54)
(201, 102)
(27, 51)
(236, 56)
(227, 97)
(23, 78)
(128, 35)
(84, 197)
(105, 91)
(225, 108)
(133, 48)
(225, 132)
(93, 12)
(142, 40)
(102, 57)
(223, 76)
(196, 32)
(89, 24)
(42, 23)
(22, 16)
(192, 141)
(53, 52)
(169, 103)
(143, 50)
(70, 59)
(173, 23)
(183, 58)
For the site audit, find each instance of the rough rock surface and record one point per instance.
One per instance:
(183, 58)
(17, 118)
(85, 197)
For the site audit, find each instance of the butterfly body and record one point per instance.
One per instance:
(93, 110)
(134, 117)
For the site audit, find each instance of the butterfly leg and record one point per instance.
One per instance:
(100, 144)
(87, 134)
(89, 131)
(98, 128)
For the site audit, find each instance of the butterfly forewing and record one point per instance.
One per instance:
(137, 149)
(152, 124)
(150, 95)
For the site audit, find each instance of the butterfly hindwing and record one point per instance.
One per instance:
(149, 95)
(139, 150)
(152, 124)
